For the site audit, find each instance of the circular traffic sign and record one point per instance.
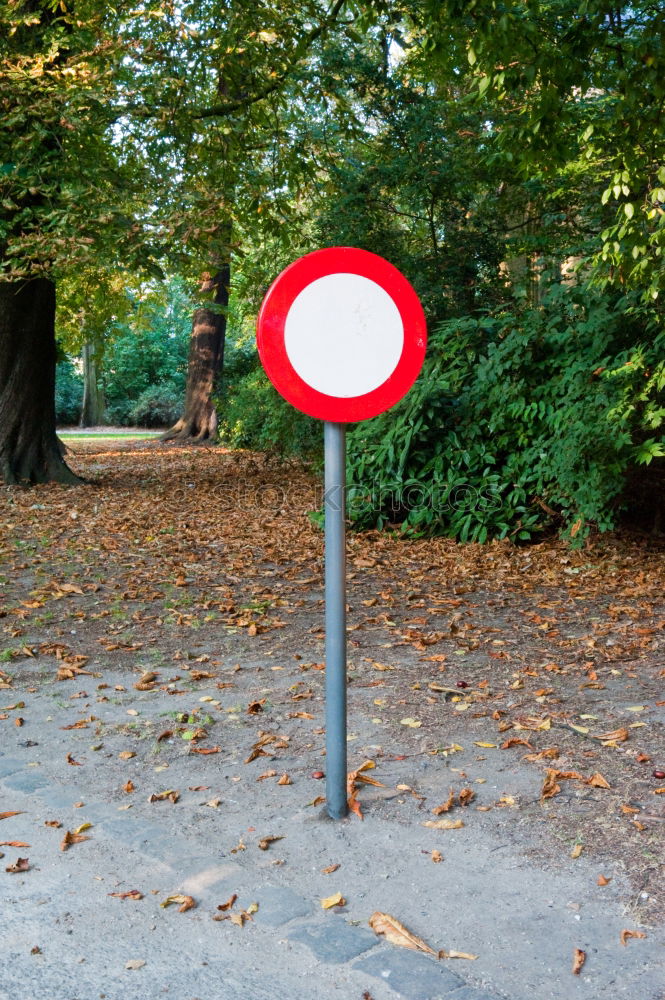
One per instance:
(341, 334)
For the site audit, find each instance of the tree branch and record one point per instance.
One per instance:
(230, 107)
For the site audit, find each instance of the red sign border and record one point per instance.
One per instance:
(272, 320)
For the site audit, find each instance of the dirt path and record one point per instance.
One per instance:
(533, 677)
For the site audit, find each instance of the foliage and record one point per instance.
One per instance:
(253, 415)
(157, 406)
(68, 393)
(519, 419)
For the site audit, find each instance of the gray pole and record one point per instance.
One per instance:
(335, 490)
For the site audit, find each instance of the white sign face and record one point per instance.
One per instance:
(344, 335)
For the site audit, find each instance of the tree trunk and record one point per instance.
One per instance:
(29, 448)
(92, 409)
(205, 368)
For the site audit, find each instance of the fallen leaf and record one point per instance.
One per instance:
(229, 902)
(205, 750)
(20, 865)
(13, 843)
(445, 806)
(603, 881)
(457, 954)
(128, 787)
(598, 781)
(330, 901)
(265, 842)
(329, 870)
(626, 935)
(171, 794)
(576, 851)
(616, 736)
(395, 932)
(135, 963)
(131, 894)
(6, 815)
(466, 796)
(579, 958)
(411, 723)
(285, 780)
(437, 857)
(186, 902)
(72, 838)
(444, 824)
(55, 823)
(74, 763)
(126, 754)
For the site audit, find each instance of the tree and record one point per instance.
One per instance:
(62, 185)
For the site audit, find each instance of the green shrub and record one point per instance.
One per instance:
(157, 406)
(519, 420)
(68, 393)
(254, 415)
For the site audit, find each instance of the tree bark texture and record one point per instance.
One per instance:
(205, 367)
(29, 448)
(92, 410)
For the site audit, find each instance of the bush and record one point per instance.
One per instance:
(519, 420)
(254, 415)
(68, 393)
(157, 406)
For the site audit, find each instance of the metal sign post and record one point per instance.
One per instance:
(341, 335)
(335, 592)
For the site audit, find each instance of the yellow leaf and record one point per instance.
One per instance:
(336, 900)
(126, 754)
(479, 743)
(577, 850)
(580, 729)
(444, 824)
(82, 827)
(253, 908)
(411, 723)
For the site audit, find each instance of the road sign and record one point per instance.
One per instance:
(341, 334)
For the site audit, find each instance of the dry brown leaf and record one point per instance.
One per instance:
(466, 796)
(128, 787)
(457, 954)
(395, 932)
(603, 881)
(266, 774)
(329, 870)
(616, 736)
(265, 842)
(204, 751)
(186, 902)
(579, 958)
(445, 806)
(171, 794)
(146, 682)
(126, 754)
(229, 902)
(6, 815)
(74, 763)
(13, 843)
(72, 838)
(576, 851)
(131, 894)
(20, 865)
(55, 823)
(284, 780)
(437, 857)
(598, 781)
(626, 935)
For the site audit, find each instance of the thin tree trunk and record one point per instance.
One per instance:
(92, 409)
(29, 448)
(206, 365)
